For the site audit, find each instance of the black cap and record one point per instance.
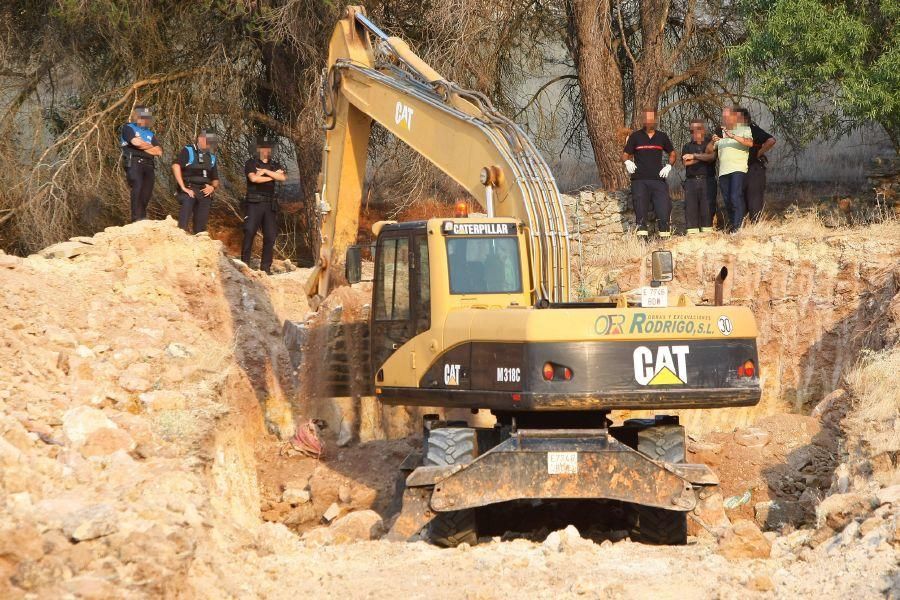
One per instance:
(264, 141)
(143, 112)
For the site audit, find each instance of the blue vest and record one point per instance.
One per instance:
(197, 170)
(192, 156)
(144, 134)
(130, 151)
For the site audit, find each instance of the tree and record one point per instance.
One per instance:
(823, 66)
(631, 54)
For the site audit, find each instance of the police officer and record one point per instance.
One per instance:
(196, 173)
(643, 156)
(139, 148)
(755, 181)
(261, 208)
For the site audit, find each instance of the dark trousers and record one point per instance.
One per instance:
(696, 204)
(260, 214)
(645, 191)
(196, 207)
(755, 189)
(732, 186)
(140, 175)
(712, 192)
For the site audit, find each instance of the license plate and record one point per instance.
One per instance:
(562, 463)
(655, 296)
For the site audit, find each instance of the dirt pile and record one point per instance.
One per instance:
(138, 368)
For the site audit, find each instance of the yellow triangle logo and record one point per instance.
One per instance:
(665, 377)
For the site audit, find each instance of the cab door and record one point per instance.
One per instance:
(401, 297)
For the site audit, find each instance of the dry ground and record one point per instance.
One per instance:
(145, 390)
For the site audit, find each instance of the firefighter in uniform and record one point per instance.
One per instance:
(139, 148)
(261, 206)
(643, 155)
(196, 172)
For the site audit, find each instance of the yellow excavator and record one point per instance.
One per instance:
(475, 312)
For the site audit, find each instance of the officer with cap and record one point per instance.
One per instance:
(139, 148)
(261, 206)
(196, 173)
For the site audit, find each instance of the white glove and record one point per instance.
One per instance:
(665, 171)
(630, 167)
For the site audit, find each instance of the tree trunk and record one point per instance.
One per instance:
(600, 81)
(650, 70)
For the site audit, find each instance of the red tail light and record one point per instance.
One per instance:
(748, 369)
(548, 371)
(556, 372)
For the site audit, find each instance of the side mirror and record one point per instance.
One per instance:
(353, 265)
(662, 266)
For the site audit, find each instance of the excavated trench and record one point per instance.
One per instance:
(775, 462)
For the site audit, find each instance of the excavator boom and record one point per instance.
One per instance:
(374, 77)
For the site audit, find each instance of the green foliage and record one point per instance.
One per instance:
(824, 67)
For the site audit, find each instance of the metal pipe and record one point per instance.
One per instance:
(720, 281)
(372, 27)
(489, 198)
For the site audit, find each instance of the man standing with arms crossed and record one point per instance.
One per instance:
(643, 156)
(699, 174)
(139, 149)
(261, 206)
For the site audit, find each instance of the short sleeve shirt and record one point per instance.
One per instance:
(129, 133)
(201, 168)
(760, 137)
(700, 168)
(262, 189)
(733, 155)
(648, 153)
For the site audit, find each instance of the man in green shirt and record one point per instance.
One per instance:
(732, 143)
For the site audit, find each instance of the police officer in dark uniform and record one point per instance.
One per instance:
(139, 148)
(643, 155)
(755, 181)
(261, 206)
(196, 173)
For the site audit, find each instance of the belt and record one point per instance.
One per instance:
(698, 177)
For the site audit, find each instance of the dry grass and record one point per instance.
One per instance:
(874, 383)
(875, 417)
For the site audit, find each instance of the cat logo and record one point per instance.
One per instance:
(668, 367)
(451, 374)
(403, 114)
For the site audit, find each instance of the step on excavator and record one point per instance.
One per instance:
(475, 312)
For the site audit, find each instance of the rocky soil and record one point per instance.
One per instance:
(146, 393)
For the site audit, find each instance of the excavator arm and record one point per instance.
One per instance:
(374, 77)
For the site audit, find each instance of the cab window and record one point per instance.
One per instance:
(423, 303)
(392, 285)
(484, 265)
